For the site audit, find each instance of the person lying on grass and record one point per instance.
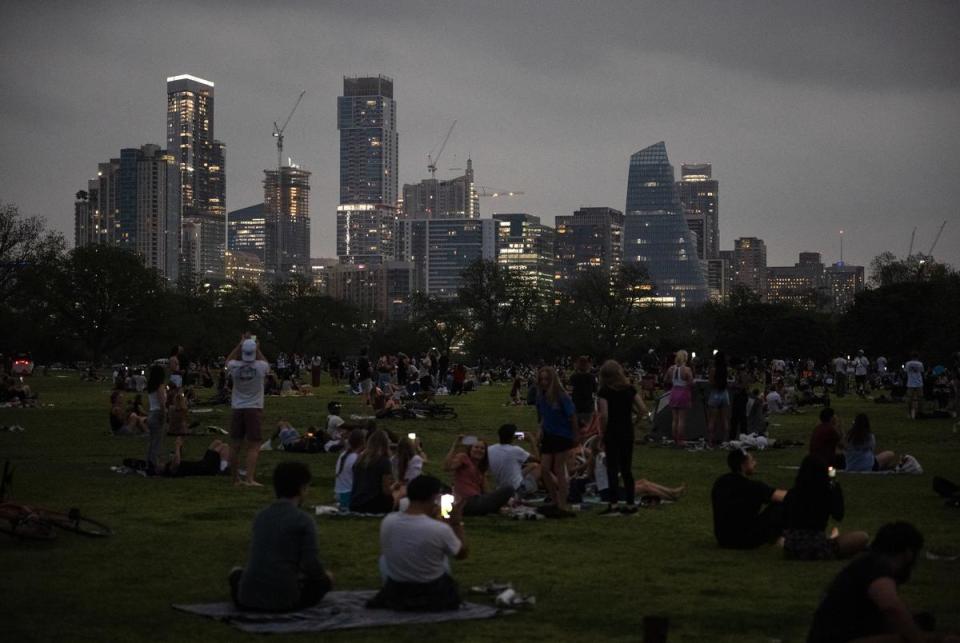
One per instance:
(122, 421)
(283, 572)
(467, 460)
(813, 500)
(415, 546)
(862, 602)
(738, 521)
(215, 461)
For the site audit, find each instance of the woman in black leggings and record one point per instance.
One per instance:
(618, 400)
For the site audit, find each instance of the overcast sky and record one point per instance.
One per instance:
(816, 116)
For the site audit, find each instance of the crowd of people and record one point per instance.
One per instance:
(588, 418)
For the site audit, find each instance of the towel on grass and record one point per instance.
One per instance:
(337, 611)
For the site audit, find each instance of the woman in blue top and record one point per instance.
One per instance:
(861, 450)
(558, 424)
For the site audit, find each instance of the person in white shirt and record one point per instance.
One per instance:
(513, 466)
(415, 547)
(248, 373)
(343, 482)
(410, 459)
(914, 373)
(861, 365)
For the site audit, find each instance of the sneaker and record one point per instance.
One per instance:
(628, 509)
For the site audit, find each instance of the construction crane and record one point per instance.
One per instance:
(913, 235)
(936, 239)
(279, 129)
(485, 191)
(432, 160)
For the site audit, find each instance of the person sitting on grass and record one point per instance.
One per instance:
(283, 572)
(373, 482)
(738, 522)
(177, 411)
(410, 459)
(215, 461)
(826, 442)
(123, 422)
(415, 546)
(861, 452)
(813, 500)
(343, 477)
(513, 466)
(862, 602)
(469, 468)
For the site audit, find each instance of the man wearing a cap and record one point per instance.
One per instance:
(248, 374)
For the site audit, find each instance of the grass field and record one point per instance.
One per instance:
(594, 577)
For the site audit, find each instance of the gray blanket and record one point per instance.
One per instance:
(337, 611)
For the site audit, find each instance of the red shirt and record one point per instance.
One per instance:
(467, 478)
(823, 443)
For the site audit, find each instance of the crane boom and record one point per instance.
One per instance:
(278, 134)
(432, 160)
(279, 129)
(913, 236)
(936, 238)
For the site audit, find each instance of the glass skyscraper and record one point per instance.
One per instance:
(656, 233)
(367, 120)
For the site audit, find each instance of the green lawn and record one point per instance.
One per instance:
(594, 577)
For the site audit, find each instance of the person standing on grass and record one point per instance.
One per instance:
(558, 424)
(681, 395)
(284, 572)
(914, 372)
(617, 401)
(248, 373)
(718, 403)
(156, 418)
(583, 387)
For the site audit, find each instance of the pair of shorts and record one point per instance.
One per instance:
(680, 397)
(246, 425)
(552, 443)
(718, 399)
(176, 379)
(808, 544)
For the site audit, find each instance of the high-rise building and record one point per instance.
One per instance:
(134, 202)
(729, 273)
(656, 234)
(205, 259)
(382, 288)
(320, 268)
(590, 238)
(440, 249)
(750, 264)
(365, 233)
(697, 190)
(247, 231)
(442, 199)
(843, 284)
(367, 120)
(526, 248)
(801, 285)
(201, 159)
(717, 279)
(287, 204)
(243, 267)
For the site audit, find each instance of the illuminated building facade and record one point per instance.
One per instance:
(750, 264)
(526, 248)
(697, 190)
(801, 285)
(243, 267)
(442, 199)
(589, 239)
(382, 288)
(287, 230)
(365, 233)
(440, 249)
(367, 120)
(247, 231)
(843, 284)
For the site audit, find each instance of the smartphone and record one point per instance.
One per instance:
(469, 440)
(520, 435)
(831, 472)
(412, 436)
(446, 505)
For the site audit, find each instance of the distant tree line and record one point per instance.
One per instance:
(101, 304)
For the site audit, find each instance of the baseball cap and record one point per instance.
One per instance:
(249, 350)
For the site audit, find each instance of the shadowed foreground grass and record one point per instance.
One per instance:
(594, 577)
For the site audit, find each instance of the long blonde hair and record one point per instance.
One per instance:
(613, 376)
(554, 392)
(377, 448)
(681, 358)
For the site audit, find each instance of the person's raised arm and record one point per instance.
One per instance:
(452, 460)
(235, 353)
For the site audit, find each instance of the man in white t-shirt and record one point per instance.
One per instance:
(914, 372)
(415, 546)
(840, 376)
(248, 368)
(512, 466)
(861, 366)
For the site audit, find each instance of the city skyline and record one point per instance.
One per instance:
(846, 121)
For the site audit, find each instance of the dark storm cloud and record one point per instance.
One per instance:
(816, 115)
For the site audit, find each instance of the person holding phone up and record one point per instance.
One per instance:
(469, 465)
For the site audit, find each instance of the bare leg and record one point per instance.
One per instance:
(851, 543)
(712, 424)
(253, 452)
(725, 420)
(682, 425)
(647, 488)
(559, 470)
(549, 481)
(675, 417)
(235, 460)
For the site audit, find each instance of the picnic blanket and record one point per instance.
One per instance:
(337, 611)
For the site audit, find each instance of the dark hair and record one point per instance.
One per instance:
(859, 433)
(505, 433)
(354, 444)
(735, 459)
(156, 378)
(175, 350)
(897, 537)
(406, 450)
(333, 406)
(812, 477)
(289, 478)
(826, 414)
(423, 488)
(115, 396)
(719, 379)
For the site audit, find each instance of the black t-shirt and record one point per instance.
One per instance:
(584, 386)
(846, 611)
(812, 508)
(619, 409)
(367, 493)
(737, 501)
(363, 368)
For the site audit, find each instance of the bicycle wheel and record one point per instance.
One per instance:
(21, 522)
(74, 521)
